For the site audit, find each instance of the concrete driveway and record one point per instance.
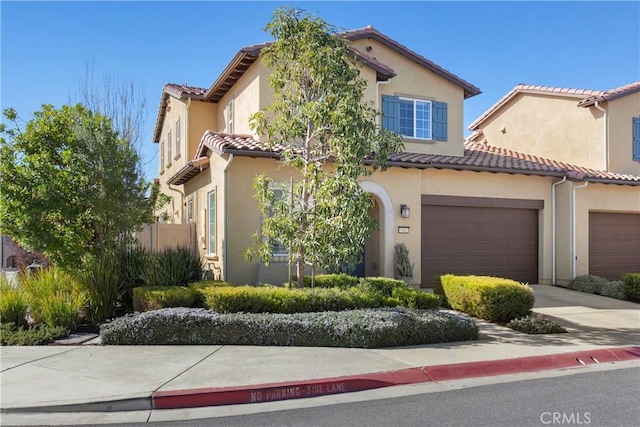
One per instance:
(593, 319)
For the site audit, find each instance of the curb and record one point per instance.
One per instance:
(175, 399)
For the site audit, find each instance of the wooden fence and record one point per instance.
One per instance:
(157, 236)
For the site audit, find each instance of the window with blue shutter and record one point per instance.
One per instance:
(439, 121)
(636, 139)
(391, 113)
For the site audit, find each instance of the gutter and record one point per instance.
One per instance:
(573, 227)
(605, 136)
(553, 229)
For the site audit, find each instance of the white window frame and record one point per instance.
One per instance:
(177, 138)
(230, 116)
(169, 142)
(415, 121)
(284, 251)
(190, 211)
(162, 155)
(212, 234)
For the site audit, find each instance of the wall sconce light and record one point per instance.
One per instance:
(405, 212)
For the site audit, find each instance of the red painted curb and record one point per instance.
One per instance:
(174, 399)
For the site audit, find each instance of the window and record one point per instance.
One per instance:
(415, 118)
(212, 223)
(278, 248)
(178, 138)
(169, 148)
(190, 212)
(162, 155)
(636, 139)
(230, 117)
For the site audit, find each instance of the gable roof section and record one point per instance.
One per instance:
(587, 97)
(477, 157)
(179, 92)
(246, 56)
(611, 94)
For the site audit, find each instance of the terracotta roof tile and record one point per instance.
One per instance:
(611, 94)
(477, 157)
(177, 91)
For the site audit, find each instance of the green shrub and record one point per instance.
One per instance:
(536, 324)
(631, 286)
(613, 289)
(382, 285)
(35, 335)
(173, 267)
(56, 299)
(587, 283)
(14, 303)
(133, 261)
(341, 281)
(414, 298)
(100, 278)
(147, 298)
(370, 328)
(490, 298)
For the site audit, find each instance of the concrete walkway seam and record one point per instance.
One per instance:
(175, 399)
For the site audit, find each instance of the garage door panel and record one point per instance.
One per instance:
(479, 240)
(614, 244)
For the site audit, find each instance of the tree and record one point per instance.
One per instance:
(70, 184)
(325, 130)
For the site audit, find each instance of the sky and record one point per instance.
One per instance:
(45, 46)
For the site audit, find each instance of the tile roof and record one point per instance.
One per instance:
(611, 94)
(477, 157)
(247, 55)
(586, 96)
(178, 91)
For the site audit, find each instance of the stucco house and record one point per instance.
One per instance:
(459, 206)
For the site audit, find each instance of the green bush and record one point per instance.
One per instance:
(14, 303)
(382, 285)
(132, 263)
(341, 281)
(173, 267)
(631, 286)
(413, 298)
(587, 283)
(535, 324)
(613, 289)
(490, 298)
(100, 278)
(35, 335)
(56, 299)
(147, 298)
(370, 328)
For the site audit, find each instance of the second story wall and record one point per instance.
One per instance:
(548, 126)
(243, 99)
(621, 114)
(202, 116)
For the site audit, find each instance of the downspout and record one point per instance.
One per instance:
(181, 199)
(605, 136)
(226, 221)
(379, 118)
(573, 227)
(194, 232)
(553, 229)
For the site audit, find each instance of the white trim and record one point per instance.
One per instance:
(215, 243)
(414, 100)
(386, 224)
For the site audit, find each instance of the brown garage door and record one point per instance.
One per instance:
(482, 240)
(614, 244)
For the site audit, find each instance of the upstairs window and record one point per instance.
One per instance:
(162, 155)
(178, 138)
(169, 142)
(212, 224)
(636, 139)
(415, 118)
(230, 117)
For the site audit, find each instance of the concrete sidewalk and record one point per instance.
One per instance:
(97, 378)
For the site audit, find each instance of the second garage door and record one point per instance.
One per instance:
(614, 244)
(496, 237)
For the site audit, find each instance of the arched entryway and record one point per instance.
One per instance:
(378, 253)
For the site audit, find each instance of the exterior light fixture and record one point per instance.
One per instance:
(405, 212)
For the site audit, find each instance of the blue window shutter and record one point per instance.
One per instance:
(439, 121)
(391, 113)
(636, 139)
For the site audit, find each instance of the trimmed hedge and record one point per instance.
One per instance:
(490, 298)
(371, 328)
(631, 286)
(341, 281)
(588, 284)
(147, 298)
(383, 285)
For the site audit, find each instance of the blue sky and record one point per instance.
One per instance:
(493, 45)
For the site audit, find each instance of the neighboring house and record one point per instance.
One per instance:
(594, 129)
(472, 208)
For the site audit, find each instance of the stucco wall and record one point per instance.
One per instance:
(551, 127)
(202, 116)
(413, 80)
(621, 112)
(246, 96)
